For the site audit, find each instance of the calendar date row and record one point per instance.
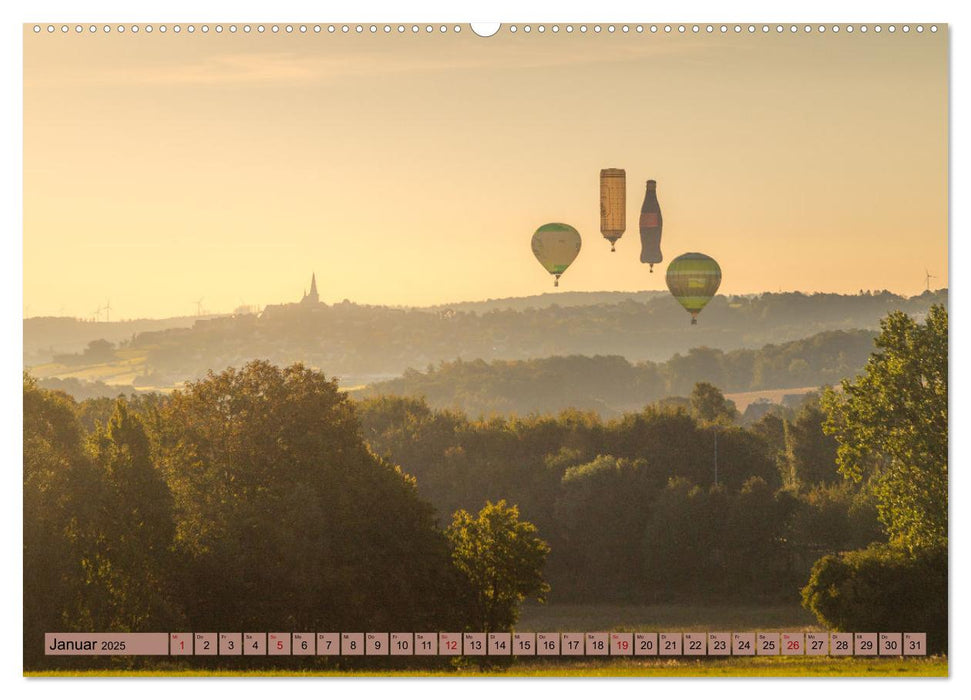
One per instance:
(487, 644)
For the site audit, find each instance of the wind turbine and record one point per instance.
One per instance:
(199, 306)
(927, 279)
(108, 311)
(97, 314)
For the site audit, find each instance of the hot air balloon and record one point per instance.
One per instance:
(556, 246)
(613, 204)
(651, 224)
(693, 279)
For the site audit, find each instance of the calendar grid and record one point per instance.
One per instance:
(475, 644)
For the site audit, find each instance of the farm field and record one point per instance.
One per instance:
(742, 399)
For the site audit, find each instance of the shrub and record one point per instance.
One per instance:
(883, 588)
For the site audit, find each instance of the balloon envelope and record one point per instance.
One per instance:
(693, 279)
(613, 204)
(556, 246)
(651, 224)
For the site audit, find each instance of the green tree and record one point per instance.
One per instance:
(285, 518)
(891, 426)
(680, 545)
(810, 451)
(139, 526)
(701, 364)
(501, 559)
(771, 429)
(708, 404)
(882, 587)
(753, 534)
(64, 500)
(601, 504)
(833, 518)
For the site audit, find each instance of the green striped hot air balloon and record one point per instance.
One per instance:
(556, 246)
(693, 279)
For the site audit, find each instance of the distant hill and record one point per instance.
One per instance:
(542, 301)
(83, 390)
(46, 336)
(364, 344)
(610, 385)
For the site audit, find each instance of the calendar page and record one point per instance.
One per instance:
(455, 349)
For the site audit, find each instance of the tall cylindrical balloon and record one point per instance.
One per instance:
(556, 246)
(693, 279)
(613, 204)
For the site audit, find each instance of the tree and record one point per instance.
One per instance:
(63, 515)
(99, 351)
(771, 429)
(834, 518)
(139, 526)
(891, 426)
(709, 544)
(703, 363)
(811, 452)
(679, 545)
(501, 559)
(708, 404)
(601, 504)
(882, 587)
(285, 518)
(753, 532)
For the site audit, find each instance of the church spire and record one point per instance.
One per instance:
(313, 297)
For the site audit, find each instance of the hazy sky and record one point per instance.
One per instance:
(160, 169)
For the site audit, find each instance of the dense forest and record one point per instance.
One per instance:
(608, 495)
(612, 385)
(247, 498)
(362, 344)
(186, 508)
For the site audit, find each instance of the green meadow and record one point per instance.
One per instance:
(935, 666)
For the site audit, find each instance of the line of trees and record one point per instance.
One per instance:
(611, 385)
(621, 500)
(361, 343)
(612, 476)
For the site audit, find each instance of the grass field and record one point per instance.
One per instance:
(935, 666)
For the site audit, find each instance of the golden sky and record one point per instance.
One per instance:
(160, 168)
